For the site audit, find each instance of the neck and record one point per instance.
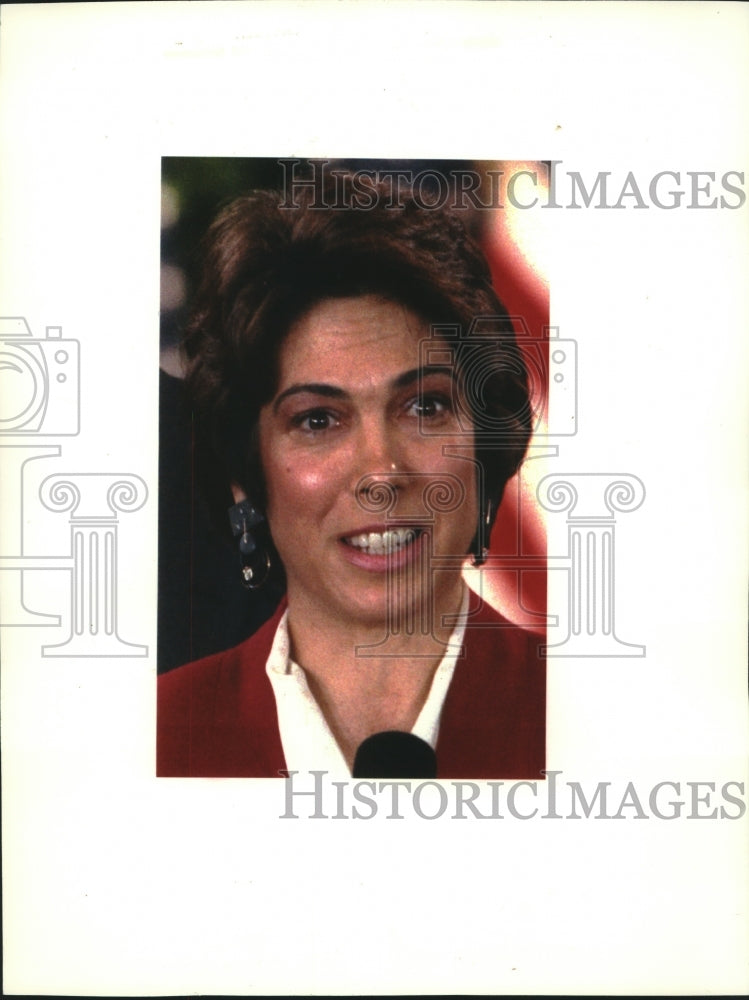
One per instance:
(363, 679)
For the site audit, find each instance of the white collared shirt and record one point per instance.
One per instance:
(308, 743)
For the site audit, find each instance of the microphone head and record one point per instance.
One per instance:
(394, 754)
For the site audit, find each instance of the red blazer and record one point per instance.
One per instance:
(217, 716)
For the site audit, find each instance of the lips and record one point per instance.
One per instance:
(379, 548)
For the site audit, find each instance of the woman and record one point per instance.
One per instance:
(358, 384)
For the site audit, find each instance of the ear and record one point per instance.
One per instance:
(238, 493)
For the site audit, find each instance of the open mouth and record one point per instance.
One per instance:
(382, 543)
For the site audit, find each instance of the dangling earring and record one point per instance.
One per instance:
(482, 534)
(242, 517)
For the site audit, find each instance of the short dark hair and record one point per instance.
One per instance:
(266, 264)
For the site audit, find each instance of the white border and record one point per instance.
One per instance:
(116, 883)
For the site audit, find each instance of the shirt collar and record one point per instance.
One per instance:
(307, 740)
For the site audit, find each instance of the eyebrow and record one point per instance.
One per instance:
(335, 392)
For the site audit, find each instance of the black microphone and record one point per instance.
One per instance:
(394, 754)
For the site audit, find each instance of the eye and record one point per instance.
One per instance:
(429, 406)
(315, 421)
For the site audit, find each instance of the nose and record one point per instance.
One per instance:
(382, 460)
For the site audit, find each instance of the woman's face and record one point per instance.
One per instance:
(351, 403)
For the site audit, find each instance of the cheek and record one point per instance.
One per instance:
(296, 489)
(293, 478)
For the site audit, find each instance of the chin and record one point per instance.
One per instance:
(378, 610)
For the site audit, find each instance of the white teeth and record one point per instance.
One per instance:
(379, 543)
